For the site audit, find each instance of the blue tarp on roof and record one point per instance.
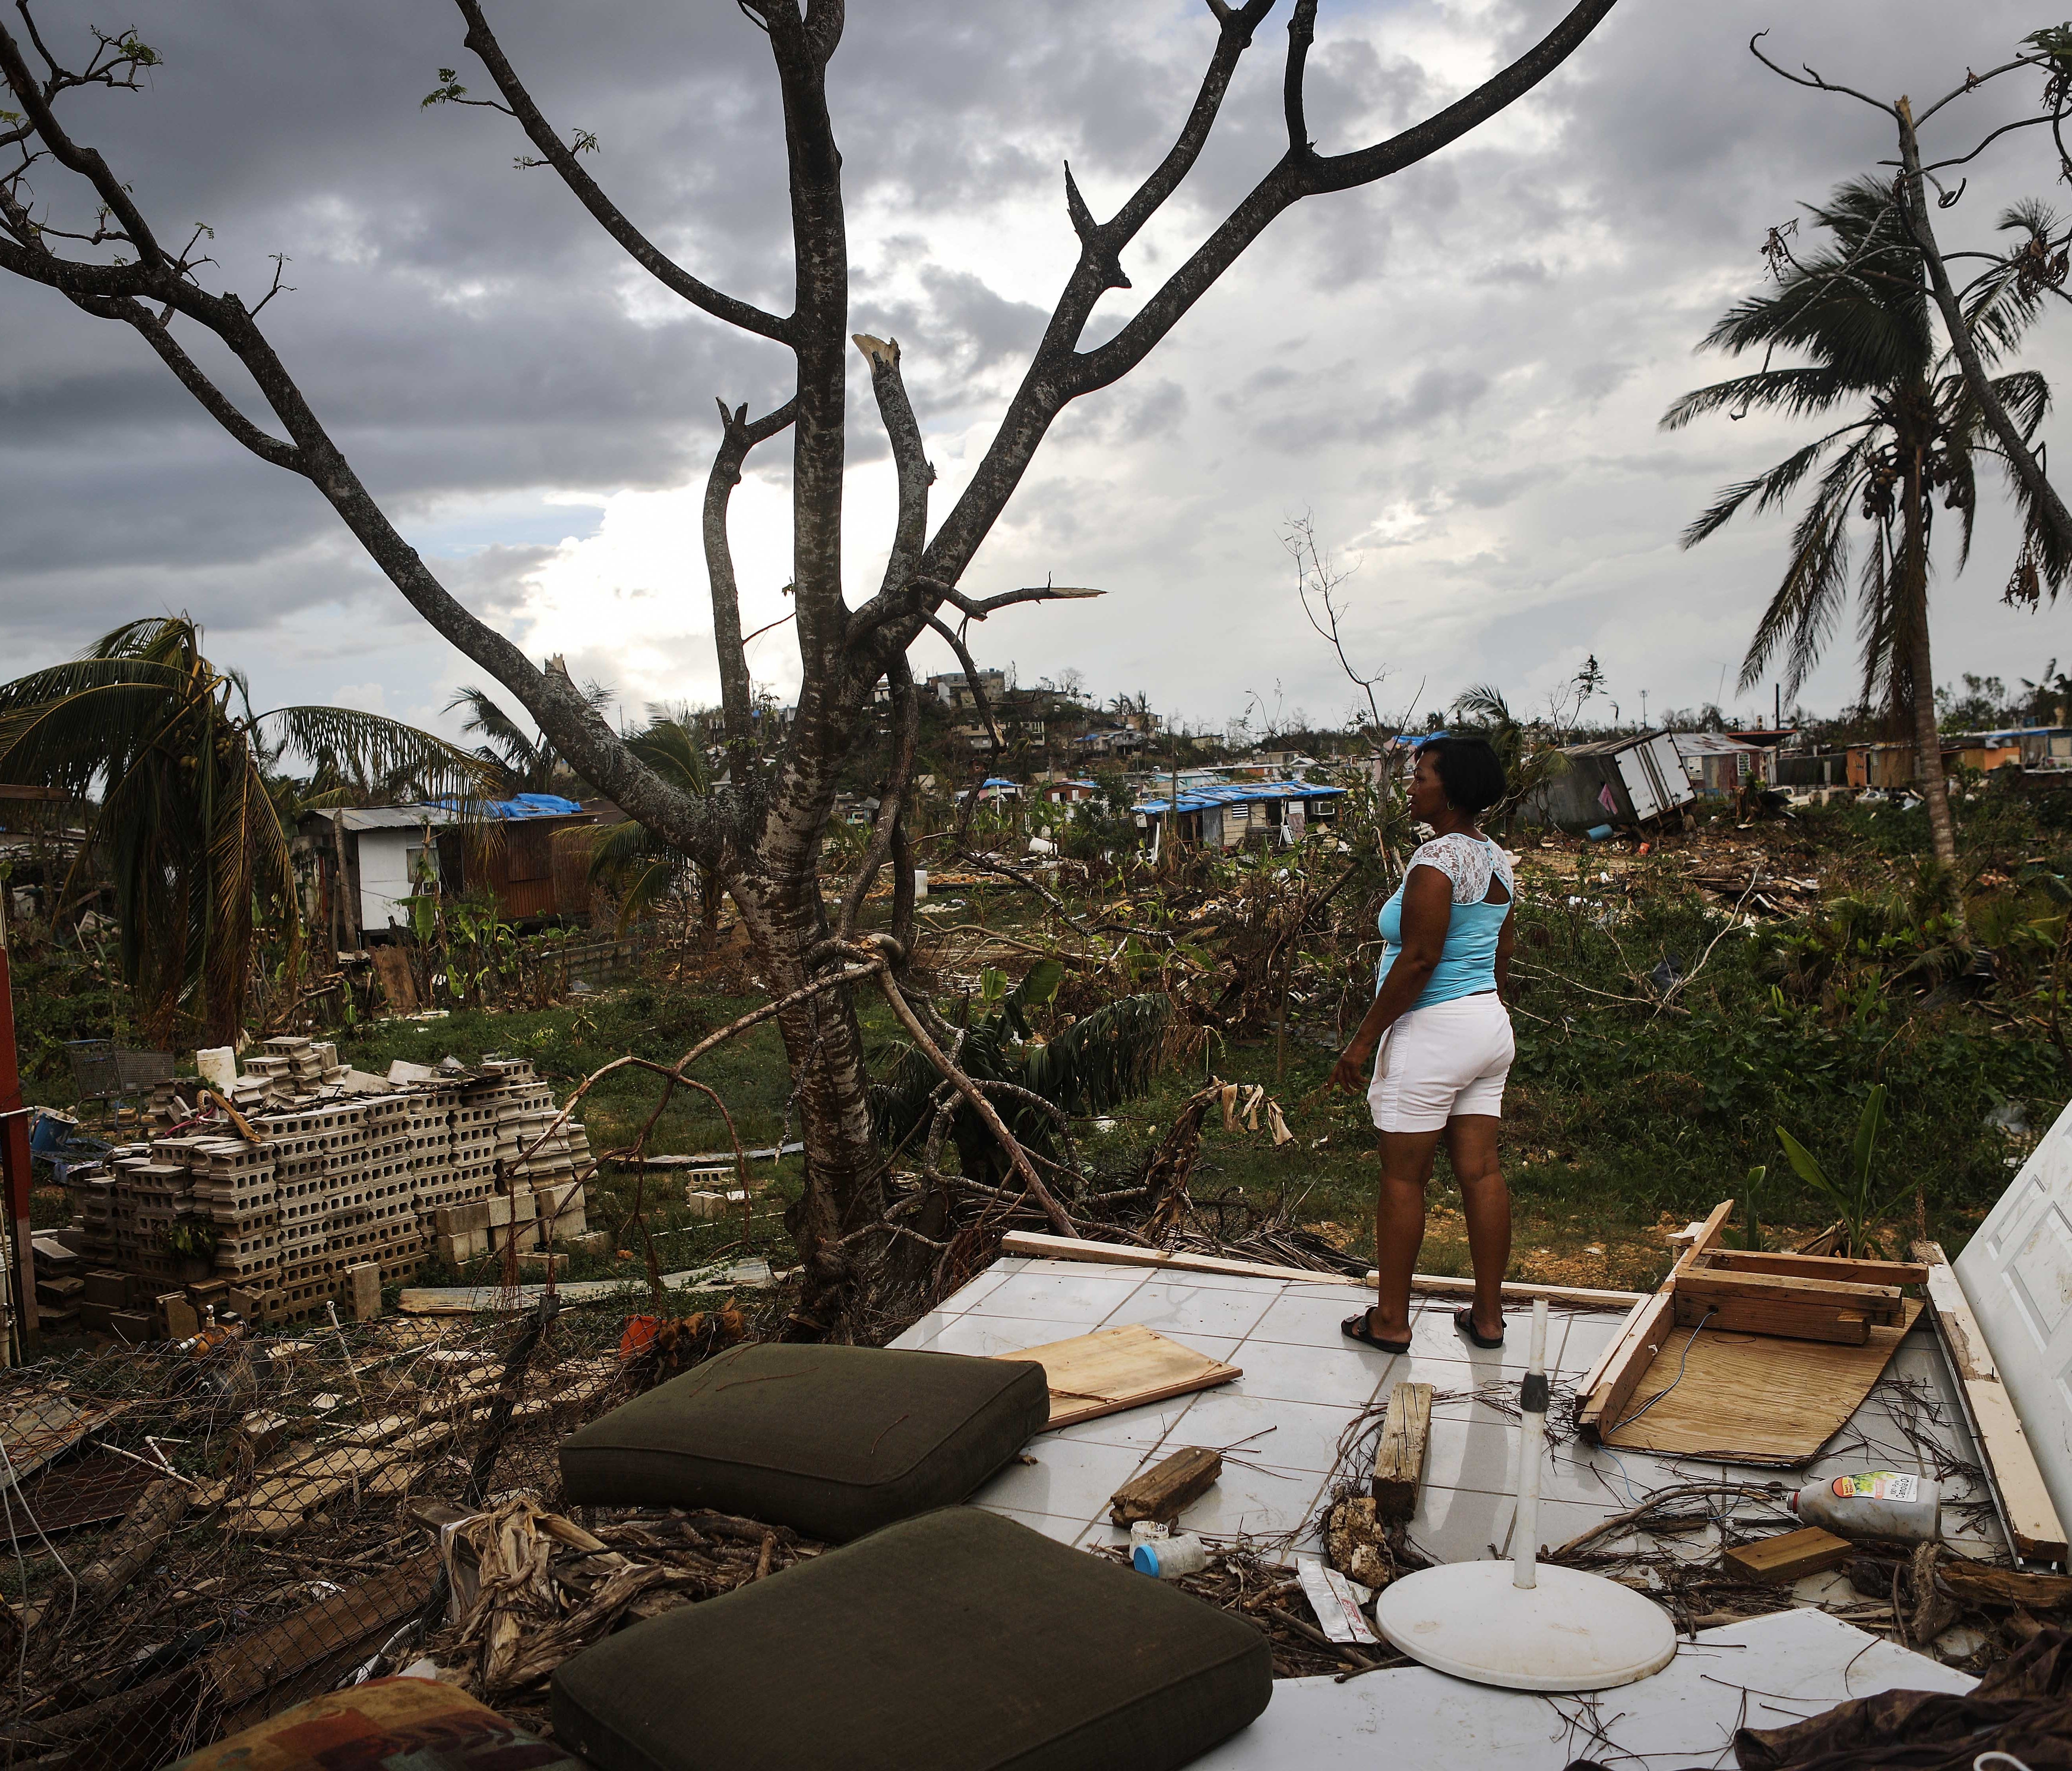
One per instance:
(520, 805)
(1236, 792)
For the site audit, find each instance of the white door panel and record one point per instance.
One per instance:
(2016, 1275)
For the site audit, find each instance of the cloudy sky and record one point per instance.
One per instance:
(1457, 373)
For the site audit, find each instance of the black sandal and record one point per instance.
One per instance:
(1355, 1328)
(1464, 1321)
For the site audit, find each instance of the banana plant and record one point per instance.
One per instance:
(630, 859)
(1853, 1196)
(1107, 1058)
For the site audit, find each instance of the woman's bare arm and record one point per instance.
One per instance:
(1428, 913)
(1503, 946)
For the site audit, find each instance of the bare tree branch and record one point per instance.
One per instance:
(892, 800)
(909, 457)
(738, 436)
(557, 154)
(1060, 372)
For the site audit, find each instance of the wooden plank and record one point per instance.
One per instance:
(1749, 1398)
(1812, 1321)
(1170, 1486)
(1115, 1254)
(1880, 1303)
(1790, 1557)
(2025, 1507)
(247, 1669)
(1399, 1455)
(1117, 1368)
(1830, 1266)
(1595, 1375)
(1645, 1333)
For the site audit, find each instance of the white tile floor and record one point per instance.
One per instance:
(1304, 1383)
(1768, 1672)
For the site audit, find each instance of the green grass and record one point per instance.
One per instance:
(1624, 1118)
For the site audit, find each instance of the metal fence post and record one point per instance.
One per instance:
(15, 1156)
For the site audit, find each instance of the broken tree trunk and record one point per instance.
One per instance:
(132, 1544)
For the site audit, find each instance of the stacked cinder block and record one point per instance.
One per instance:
(91, 1189)
(234, 1184)
(300, 1146)
(335, 1180)
(399, 1240)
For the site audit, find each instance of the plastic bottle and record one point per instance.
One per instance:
(1147, 1531)
(1170, 1558)
(1875, 1503)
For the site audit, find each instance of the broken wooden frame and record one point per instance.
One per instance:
(1825, 1298)
(2016, 1484)
(1815, 1297)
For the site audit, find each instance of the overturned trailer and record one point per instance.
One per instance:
(1630, 780)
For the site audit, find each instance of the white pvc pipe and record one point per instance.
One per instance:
(1532, 1436)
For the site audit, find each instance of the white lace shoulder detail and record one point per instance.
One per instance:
(1469, 863)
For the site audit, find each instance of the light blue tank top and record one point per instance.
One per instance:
(1467, 963)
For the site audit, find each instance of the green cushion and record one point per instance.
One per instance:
(956, 1641)
(834, 1441)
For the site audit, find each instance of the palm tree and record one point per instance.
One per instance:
(524, 763)
(1860, 309)
(630, 857)
(190, 802)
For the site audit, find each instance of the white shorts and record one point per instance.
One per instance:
(1438, 1062)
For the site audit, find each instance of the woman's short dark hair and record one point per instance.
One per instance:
(1468, 770)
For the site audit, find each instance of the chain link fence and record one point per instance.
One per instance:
(200, 1538)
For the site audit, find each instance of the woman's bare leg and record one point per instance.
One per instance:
(1398, 1227)
(1486, 1202)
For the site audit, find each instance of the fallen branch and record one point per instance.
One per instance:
(965, 1086)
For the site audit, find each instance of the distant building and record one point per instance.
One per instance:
(1226, 816)
(953, 688)
(366, 861)
(1716, 763)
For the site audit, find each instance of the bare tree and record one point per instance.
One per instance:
(1318, 577)
(762, 832)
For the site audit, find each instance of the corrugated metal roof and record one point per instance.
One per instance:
(447, 812)
(1236, 792)
(391, 817)
(1708, 743)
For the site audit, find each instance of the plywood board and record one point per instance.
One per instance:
(1117, 1368)
(1607, 1397)
(1751, 1398)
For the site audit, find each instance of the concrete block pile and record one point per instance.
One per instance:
(341, 1171)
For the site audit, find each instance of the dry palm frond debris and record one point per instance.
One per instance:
(530, 1587)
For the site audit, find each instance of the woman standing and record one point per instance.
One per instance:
(1438, 1042)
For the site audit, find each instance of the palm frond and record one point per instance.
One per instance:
(1768, 489)
(1858, 305)
(1796, 392)
(410, 763)
(1802, 613)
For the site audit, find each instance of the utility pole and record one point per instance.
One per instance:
(1777, 707)
(1173, 799)
(14, 1157)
